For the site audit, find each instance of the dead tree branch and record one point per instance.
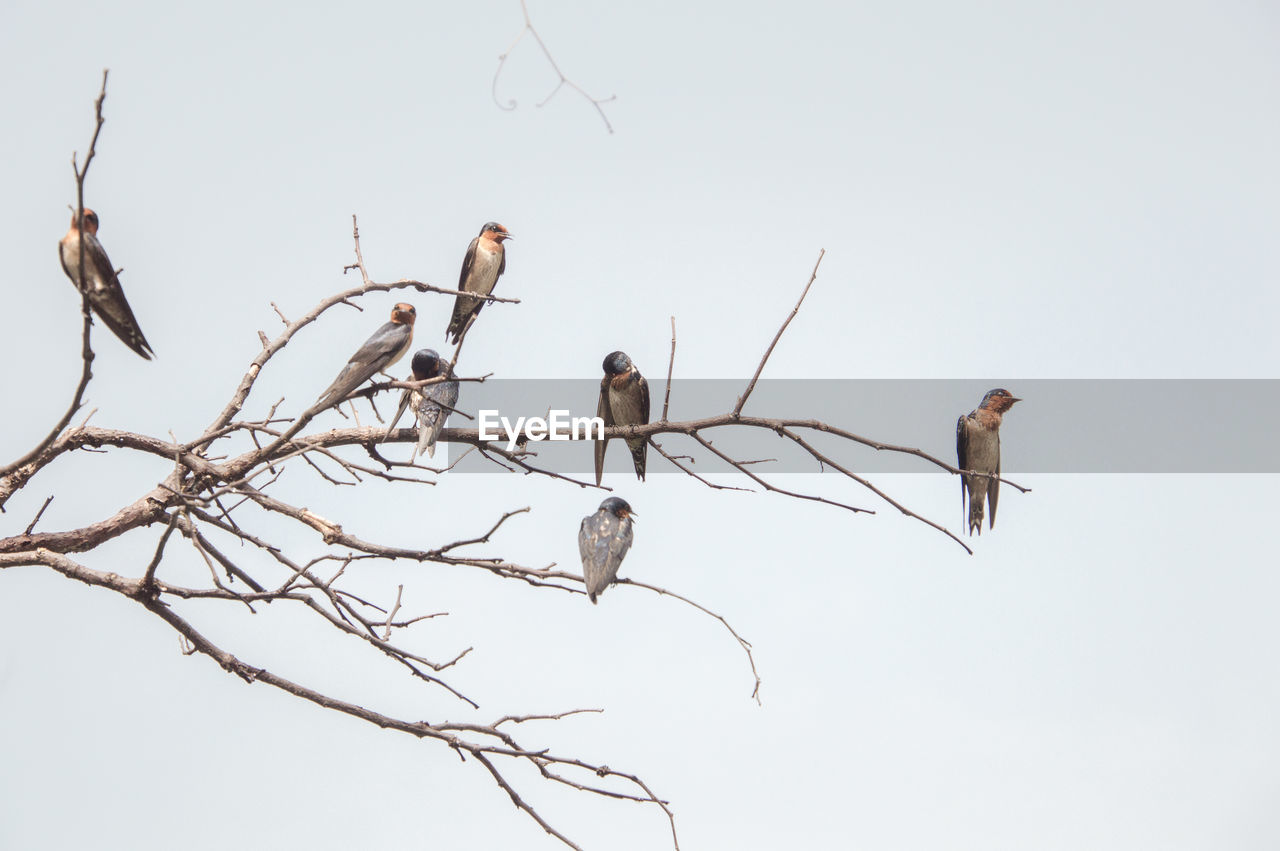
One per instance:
(564, 81)
(742, 400)
(86, 350)
(238, 561)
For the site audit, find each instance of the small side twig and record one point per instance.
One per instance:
(666, 397)
(39, 514)
(564, 81)
(742, 400)
(386, 627)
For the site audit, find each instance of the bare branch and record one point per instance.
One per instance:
(39, 514)
(712, 485)
(742, 400)
(86, 351)
(201, 490)
(386, 634)
(149, 575)
(564, 81)
(742, 642)
(666, 396)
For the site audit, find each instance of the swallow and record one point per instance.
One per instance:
(624, 400)
(603, 541)
(485, 262)
(431, 404)
(387, 345)
(105, 294)
(978, 449)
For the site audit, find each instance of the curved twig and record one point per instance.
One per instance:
(564, 81)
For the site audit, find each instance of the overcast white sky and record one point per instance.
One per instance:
(1005, 191)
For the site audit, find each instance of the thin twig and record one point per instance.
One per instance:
(86, 351)
(742, 400)
(742, 642)
(39, 514)
(666, 397)
(149, 575)
(564, 81)
(386, 634)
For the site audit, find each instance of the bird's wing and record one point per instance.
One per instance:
(588, 538)
(438, 401)
(640, 446)
(605, 412)
(467, 262)
(618, 546)
(108, 299)
(993, 489)
(644, 398)
(962, 459)
(63, 250)
(384, 345)
(463, 305)
(377, 352)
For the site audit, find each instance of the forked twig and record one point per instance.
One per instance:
(564, 81)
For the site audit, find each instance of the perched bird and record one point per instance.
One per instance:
(387, 345)
(485, 262)
(624, 400)
(603, 541)
(105, 295)
(978, 449)
(431, 404)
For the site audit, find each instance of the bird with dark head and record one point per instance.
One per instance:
(106, 297)
(624, 400)
(431, 404)
(387, 345)
(484, 263)
(603, 541)
(978, 449)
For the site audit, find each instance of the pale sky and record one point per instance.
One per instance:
(1005, 193)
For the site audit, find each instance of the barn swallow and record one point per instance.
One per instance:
(105, 295)
(603, 541)
(978, 449)
(431, 404)
(624, 400)
(387, 345)
(485, 262)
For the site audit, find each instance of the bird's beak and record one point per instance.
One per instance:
(1013, 399)
(630, 515)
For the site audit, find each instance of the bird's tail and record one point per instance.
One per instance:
(463, 316)
(638, 447)
(426, 442)
(975, 515)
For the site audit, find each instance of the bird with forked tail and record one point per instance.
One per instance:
(978, 449)
(624, 400)
(106, 296)
(484, 263)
